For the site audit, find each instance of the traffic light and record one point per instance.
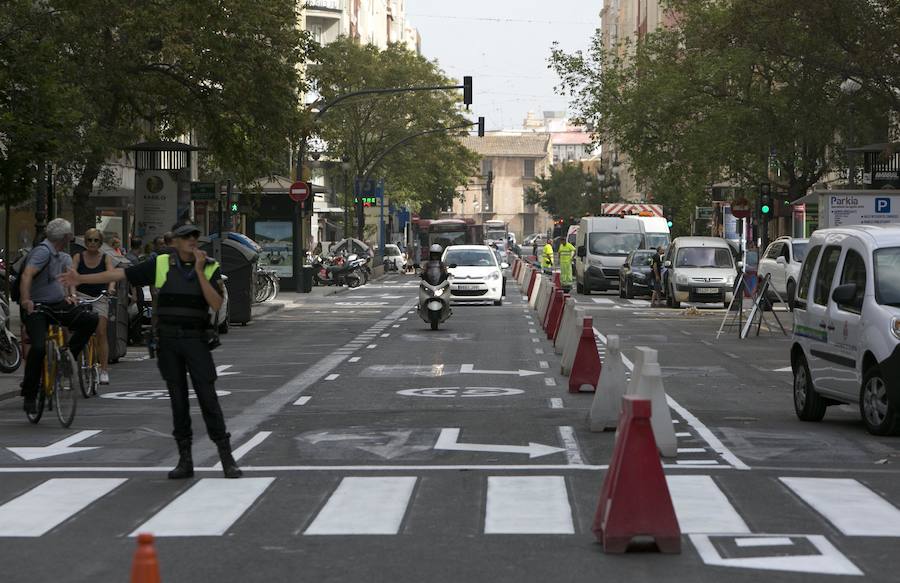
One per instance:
(765, 200)
(480, 127)
(467, 91)
(669, 222)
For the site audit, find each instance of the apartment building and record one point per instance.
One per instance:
(377, 22)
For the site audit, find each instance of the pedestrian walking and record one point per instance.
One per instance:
(93, 260)
(39, 284)
(189, 285)
(656, 277)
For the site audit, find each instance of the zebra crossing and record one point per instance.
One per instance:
(381, 505)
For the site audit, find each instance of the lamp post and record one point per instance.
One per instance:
(850, 87)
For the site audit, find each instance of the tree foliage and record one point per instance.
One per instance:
(423, 172)
(569, 191)
(745, 91)
(132, 71)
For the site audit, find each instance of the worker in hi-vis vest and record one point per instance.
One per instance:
(188, 285)
(547, 256)
(566, 255)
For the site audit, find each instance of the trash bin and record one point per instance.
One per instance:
(306, 280)
(239, 264)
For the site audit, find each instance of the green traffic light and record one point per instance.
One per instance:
(669, 224)
(765, 209)
(234, 207)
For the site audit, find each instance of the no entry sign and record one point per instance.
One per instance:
(299, 191)
(740, 208)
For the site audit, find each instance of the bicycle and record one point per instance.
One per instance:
(89, 362)
(57, 385)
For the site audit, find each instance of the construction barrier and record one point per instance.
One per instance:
(532, 281)
(607, 405)
(650, 387)
(570, 344)
(567, 315)
(557, 282)
(545, 321)
(145, 566)
(634, 499)
(586, 366)
(536, 290)
(543, 300)
(555, 317)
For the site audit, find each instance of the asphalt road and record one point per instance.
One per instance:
(377, 450)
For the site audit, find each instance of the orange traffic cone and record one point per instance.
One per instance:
(145, 568)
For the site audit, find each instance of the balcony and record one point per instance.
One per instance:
(324, 9)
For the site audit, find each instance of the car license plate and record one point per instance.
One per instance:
(707, 290)
(468, 287)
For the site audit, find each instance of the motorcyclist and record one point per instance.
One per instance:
(434, 271)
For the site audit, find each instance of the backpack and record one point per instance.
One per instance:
(15, 272)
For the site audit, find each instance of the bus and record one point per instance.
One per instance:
(495, 230)
(446, 232)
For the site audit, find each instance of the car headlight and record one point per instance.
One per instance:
(681, 279)
(895, 327)
(495, 275)
(729, 280)
(439, 292)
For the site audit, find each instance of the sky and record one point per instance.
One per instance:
(504, 45)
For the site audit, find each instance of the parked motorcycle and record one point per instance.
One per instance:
(434, 297)
(338, 271)
(10, 347)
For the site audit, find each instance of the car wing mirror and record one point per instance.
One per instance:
(625, 265)
(781, 261)
(504, 265)
(667, 264)
(582, 252)
(844, 294)
(740, 264)
(452, 266)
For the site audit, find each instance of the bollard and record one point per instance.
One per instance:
(145, 566)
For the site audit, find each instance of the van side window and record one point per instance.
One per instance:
(806, 274)
(825, 275)
(854, 272)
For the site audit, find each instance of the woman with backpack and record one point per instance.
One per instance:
(93, 260)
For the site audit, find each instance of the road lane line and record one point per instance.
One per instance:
(251, 443)
(851, 507)
(532, 331)
(683, 434)
(573, 452)
(39, 510)
(550, 382)
(691, 449)
(365, 505)
(362, 468)
(544, 364)
(371, 346)
(208, 508)
(527, 505)
(303, 400)
(701, 507)
(764, 541)
(556, 403)
(354, 359)
(332, 376)
(714, 442)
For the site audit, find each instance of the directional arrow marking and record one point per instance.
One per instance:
(448, 438)
(470, 369)
(395, 446)
(220, 370)
(59, 448)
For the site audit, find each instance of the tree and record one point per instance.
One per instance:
(728, 94)
(569, 191)
(373, 131)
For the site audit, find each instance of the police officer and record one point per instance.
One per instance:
(189, 285)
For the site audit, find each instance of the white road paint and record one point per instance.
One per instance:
(247, 446)
(328, 468)
(61, 447)
(332, 376)
(535, 339)
(691, 450)
(42, 508)
(371, 346)
(550, 382)
(354, 359)
(701, 507)
(851, 507)
(303, 400)
(764, 541)
(681, 463)
(784, 369)
(527, 505)
(385, 335)
(544, 364)
(222, 368)
(465, 392)
(532, 330)
(470, 369)
(603, 301)
(208, 508)
(539, 351)
(570, 442)
(683, 434)
(556, 403)
(449, 437)
(829, 561)
(365, 505)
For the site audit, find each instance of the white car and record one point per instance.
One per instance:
(782, 260)
(394, 259)
(699, 270)
(846, 343)
(476, 275)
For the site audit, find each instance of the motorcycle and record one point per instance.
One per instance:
(340, 271)
(434, 297)
(10, 347)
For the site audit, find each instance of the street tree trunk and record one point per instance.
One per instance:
(85, 212)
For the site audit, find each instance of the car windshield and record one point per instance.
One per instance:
(391, 251)
(613, 243)
(703, 257)
(470, 258)
(642, 259)
(800, 251)
(655, 240)
(887, 276)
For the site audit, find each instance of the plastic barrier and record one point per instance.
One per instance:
(145, 566)
(650, 386)
(567, 314)
(532, 282)
(536, 290)
(570, 345)
(556, 312)
(586, 367)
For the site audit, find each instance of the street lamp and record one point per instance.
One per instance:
(850, 87)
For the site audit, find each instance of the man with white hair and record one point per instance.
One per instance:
(39, 285)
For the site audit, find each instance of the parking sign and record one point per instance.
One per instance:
(882, 205)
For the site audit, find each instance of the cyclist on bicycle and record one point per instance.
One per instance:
(39, 284)
(93, 260)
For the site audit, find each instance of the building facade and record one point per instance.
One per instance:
(376, 22)
(513, 160)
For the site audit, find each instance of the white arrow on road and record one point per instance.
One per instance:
(220, 370)
(59, 448)
(470, 369)
(448, 440)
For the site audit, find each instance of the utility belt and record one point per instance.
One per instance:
(169, 331)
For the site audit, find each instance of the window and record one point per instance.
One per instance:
(887, 276)
(487, 166)
(806, 272)
(854, 272)
(825, 275)
(529, 169)
(774, 250)
(800, 251)
(471, 257)
(616, 244)
(710, 257)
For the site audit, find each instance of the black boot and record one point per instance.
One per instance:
(229, 466)
(185, 467)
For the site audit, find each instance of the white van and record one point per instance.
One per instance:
(656, 232)
(602, 244)
(699, 270)
(846, 344)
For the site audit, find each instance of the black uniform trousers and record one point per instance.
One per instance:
(80, 321)
(182, 352)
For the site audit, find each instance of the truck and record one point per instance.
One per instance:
(495, 230)
(840, 208)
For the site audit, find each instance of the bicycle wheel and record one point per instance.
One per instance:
(64, 399)
(84, 373)
(10, 352)
(39, 407)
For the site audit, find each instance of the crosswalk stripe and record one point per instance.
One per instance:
(851, 507)
(365, 505)
(208, 508)
(702, 508)
(51, 503)
(527, 505)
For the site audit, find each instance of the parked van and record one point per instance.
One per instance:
(846, 344)
(602, 244)
(699, 270)
(656, 232)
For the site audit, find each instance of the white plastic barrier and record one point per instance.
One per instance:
(607, 404)
(568, 314)
(573, 334)
(532, 299)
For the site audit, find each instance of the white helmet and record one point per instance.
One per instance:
(435, 249)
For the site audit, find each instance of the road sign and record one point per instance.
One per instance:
(705, 213)
(203, 191)
(299, 191)
(740, 208)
